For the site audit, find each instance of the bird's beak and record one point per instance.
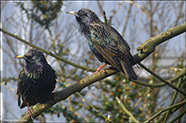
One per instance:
(73, 13)
(19, 57)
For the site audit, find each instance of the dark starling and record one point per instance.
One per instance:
(36, 80)
(105, 42)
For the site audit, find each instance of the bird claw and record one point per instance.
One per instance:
(30, 113)
(98, 71)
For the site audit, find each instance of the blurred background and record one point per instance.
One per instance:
(46, 24)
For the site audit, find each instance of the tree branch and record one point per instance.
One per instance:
(45, 51)
(171, 107)
(166, 82)
(126, 111)
(145, 50)
(127, 19)
(149, 46)
(178, 117)
(76, 87)
(172, 111)
(97, 111)
(156, 85)
(66, 92)
(173, 99)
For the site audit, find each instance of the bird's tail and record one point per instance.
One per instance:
(128, 70)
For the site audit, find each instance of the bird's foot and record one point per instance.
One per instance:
(30, 112)
(100, 69)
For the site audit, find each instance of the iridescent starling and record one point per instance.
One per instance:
(105, 42)
(36, 80)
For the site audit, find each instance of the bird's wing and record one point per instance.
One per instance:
(18, 93)
(20, 80)
(18, 86)
(107, 37)
(122, 44)
(109, 43)
(107, 55)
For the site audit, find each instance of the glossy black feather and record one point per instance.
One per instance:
(36, 80)
(105, 42)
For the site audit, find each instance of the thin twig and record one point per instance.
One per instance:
(146, 12)
(126, 111)
(127, 19)
(156, 85)
(100, 7)
(172, 111)
(114, 12)
(166, 82)
(180, 12)
(170, 107)
(179, 116)
(105, 17)
(71, 108)
(92, 106)
(47, 52)
(53, 45)
(173, 99)
(139, 100)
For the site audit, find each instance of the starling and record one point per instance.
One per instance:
(105, 42)
(36, 80)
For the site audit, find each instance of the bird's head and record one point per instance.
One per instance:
(85, 16)
(33, 58)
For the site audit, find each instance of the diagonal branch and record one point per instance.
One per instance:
(127, 19)
(166, 82)
(145, 50)
(178, 117)
(171, 107)
(76, 87)
(45, 51)
(149, 46)
(156, 85)
(66, 92)
(97, 111)
(126, 111)
(173, 99)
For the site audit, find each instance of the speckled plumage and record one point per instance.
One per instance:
(105, 42)
(36, 80)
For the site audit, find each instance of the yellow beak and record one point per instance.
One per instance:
(73, 13)
(19, 57)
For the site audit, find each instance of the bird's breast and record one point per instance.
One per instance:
(33, 74)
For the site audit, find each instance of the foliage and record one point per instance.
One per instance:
(43, 12)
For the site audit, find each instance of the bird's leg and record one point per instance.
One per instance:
(100, 69)
(29, 111)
